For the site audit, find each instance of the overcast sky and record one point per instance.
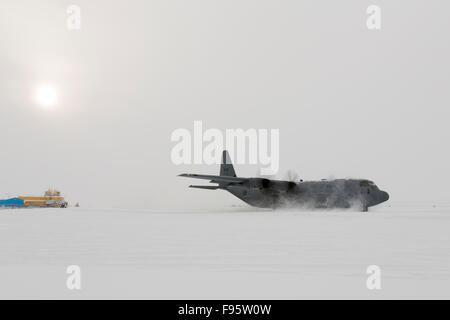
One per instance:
(348, 101)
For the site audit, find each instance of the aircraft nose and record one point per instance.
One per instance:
(384, 196)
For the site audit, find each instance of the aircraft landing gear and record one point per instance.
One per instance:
(363, 207)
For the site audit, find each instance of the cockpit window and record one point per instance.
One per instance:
(366, 183)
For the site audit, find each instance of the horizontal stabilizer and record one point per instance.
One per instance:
(205, 187)
(216, 179)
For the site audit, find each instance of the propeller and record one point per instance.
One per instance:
(293, 176)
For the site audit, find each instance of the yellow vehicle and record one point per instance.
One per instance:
(51, 198)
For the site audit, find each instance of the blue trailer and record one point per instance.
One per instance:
(12, 203)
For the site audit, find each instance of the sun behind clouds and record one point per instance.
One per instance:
(46, 96)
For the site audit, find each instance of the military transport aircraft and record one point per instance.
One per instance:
(266, 193)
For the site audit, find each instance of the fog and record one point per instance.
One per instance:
(348, 101)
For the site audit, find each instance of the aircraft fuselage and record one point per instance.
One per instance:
(339, 193)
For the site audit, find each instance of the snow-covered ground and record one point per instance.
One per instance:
(236, 253)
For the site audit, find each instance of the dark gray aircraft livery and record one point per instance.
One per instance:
(266, 193)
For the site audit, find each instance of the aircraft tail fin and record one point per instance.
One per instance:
(226, 168)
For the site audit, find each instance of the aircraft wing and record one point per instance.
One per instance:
(216, 179)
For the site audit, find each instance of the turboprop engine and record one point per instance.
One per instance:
(271, 186)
